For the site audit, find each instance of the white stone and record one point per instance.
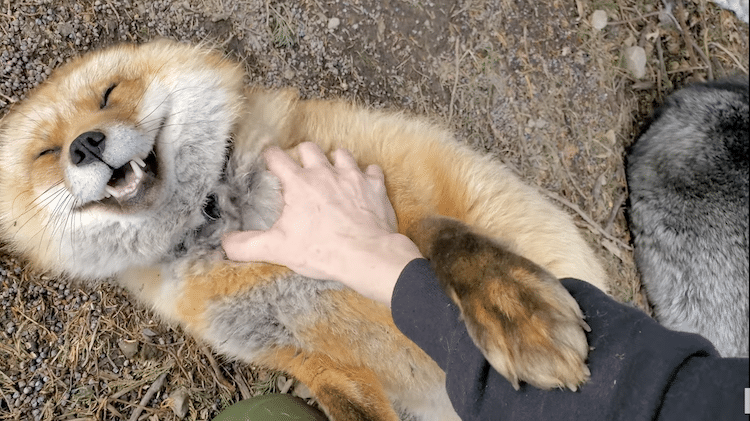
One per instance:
(128, 347)
(635, 61)
(179, 402)
(599, 19)
(333, 23)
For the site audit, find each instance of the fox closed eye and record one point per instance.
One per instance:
(49, 151)
(105, 96)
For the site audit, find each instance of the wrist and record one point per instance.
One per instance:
(373, 271)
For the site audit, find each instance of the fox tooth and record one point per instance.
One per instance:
(140, 162)
(136, 170)
(111, 191)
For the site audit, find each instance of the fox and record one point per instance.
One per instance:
(130, 163)
(688, 179)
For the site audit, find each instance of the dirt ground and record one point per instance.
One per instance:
(531, 83)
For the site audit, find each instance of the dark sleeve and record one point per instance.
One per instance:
(639, 369)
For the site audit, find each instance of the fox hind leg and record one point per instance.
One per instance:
(346, 392)
(519, 315)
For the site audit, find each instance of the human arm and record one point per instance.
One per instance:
(639, 369)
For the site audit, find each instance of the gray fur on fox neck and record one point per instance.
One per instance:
(247, 198)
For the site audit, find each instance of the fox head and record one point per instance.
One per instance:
(105, 163)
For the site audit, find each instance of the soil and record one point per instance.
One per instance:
(531, 83)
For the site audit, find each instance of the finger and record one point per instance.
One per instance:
(375, 172)
(280, 164)
(249, 246)
(343, 159)
(311, 156)
(391, 219)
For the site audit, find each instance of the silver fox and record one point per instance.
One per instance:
(688, 181)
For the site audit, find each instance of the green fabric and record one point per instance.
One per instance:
(273, 407)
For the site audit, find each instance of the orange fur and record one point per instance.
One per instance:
(352, 392)
(223, 281)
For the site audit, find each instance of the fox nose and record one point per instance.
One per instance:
(87, 147)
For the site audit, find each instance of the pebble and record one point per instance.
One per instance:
(635, 61)
(599, 19)
(333, 23)
(128, 347)
(179, 402)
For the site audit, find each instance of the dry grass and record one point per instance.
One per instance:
(531, 83)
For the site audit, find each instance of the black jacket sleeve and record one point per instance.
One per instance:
(639, 369)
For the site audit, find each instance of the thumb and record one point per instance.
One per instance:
(249, 246)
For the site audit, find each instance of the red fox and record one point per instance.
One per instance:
(130, 163)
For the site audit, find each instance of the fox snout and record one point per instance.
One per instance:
(87, 148)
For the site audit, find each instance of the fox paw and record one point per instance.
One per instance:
(519, 315)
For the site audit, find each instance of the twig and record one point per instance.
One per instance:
(35, 323)
(732, 56)
(124, 391)
(641, 17)
(455, 84)
(692, 45)
(615, 208)
(176, 358)
(239, 378)
(9, 99)
(709, 67)
(112, 410)
(114, 10)
(570, 176)
(591, 223)
(686, 69)
(662, 68)
(668, 11)
(91, 344)
(216, 370)
(155, 386)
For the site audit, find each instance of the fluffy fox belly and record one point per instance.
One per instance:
(265, 314)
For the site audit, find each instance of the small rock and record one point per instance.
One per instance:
(333, 23)
(599, 19)
(128, 347)
(610, 136)
(179, 402)
(635, 61)
(536, 124)
(148, 333)
(217, 17)
(150, 352)
(65, 29)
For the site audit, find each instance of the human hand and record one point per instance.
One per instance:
(337, 224)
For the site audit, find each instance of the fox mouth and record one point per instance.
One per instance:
(126, 181)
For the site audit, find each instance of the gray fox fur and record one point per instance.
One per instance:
(688, 181)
